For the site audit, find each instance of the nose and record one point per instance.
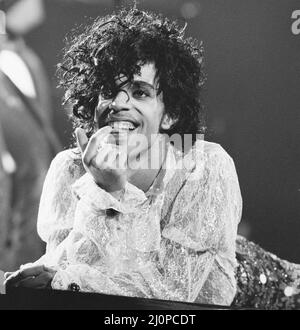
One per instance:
(121, 101)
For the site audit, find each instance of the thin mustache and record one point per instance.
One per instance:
(105, 116)
(120, 118)
(104, 119)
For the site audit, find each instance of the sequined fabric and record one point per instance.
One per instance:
(177, 241)
(265, 281)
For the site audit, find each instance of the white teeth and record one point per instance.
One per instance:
(122, 125)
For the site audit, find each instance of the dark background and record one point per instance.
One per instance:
(252, 98)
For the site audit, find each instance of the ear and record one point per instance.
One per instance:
(167, 122)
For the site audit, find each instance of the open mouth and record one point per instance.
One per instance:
(122, 126)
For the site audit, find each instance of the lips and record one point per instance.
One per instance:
(122, 125)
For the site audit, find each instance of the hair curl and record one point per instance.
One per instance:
(120, 44)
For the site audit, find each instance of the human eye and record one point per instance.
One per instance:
(140, 93)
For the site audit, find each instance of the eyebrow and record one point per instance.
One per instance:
(139, 83)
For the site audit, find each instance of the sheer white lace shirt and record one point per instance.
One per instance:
(176, 241)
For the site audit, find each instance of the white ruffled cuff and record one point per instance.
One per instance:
(98, 199)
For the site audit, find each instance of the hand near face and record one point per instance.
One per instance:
(105, 162)
(36, 277)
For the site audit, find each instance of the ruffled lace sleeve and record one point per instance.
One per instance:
(203, 222)
(208, 206)
(94, 199)
(57, 205)
(196, 257)
(70, 195)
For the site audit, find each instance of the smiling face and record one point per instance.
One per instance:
(136, 111)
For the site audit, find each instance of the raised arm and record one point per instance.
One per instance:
(57, 205)
(196, 259)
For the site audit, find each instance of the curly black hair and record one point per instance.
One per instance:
(120, 44)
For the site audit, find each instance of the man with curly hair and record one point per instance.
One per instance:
(113, 223)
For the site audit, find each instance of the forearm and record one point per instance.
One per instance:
(93, 279)
(180, 278)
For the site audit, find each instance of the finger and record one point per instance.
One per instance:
(7, 274)
(24, 273)
(13, 278)
(28, 282)
(105, 156)
(101, 110)
(38, 282)
(121, 160)
(81, 138)
(94, 142)
(32, 271)
(111, 162)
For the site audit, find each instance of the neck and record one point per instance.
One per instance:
(149, 163)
